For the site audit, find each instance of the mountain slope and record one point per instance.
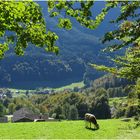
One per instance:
(37, 68)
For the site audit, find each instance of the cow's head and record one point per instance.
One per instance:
(97, 126)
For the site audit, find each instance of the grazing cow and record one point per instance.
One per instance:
(90, 118)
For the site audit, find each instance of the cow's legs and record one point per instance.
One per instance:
(86, 123)
(90, 124)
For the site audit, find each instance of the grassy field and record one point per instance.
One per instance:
(123, 100)
(70, 86)
(69, 130)
(118, 100)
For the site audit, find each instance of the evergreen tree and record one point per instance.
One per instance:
(1, 109)
(66, 110)
(73, 114)
(58, 111)
(100, 105)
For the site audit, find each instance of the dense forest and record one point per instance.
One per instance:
(101, 98)
(72, 105)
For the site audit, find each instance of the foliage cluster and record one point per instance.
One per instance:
(79, 10)
(23, 23)
(62, 105)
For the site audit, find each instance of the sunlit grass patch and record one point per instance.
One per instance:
(113, 128)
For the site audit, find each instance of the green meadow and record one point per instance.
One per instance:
(109, 129)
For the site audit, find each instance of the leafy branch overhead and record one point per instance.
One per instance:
(22, 23)
(128, 66)
(127, 35)
(127, 32)
(80, 10)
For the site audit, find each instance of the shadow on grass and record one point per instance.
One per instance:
(92, 129)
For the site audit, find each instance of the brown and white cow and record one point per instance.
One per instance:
(90, 118)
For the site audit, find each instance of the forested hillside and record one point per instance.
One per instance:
(78, 47)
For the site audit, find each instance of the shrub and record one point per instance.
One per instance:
(131, 111)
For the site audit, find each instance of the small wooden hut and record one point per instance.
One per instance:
(26, 115)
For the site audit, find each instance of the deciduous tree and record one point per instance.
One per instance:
(21, 23)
